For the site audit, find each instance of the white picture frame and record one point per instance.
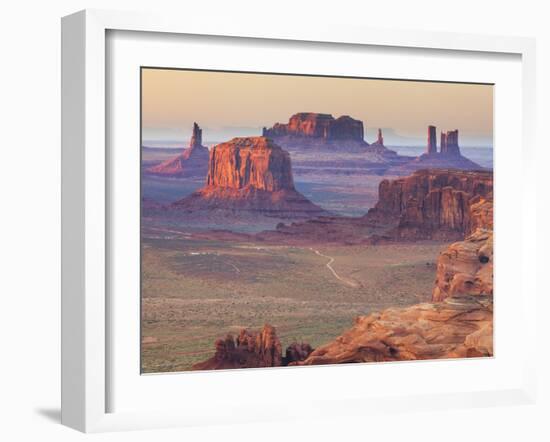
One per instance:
(85, 202)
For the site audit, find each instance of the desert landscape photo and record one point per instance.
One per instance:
(296, 220)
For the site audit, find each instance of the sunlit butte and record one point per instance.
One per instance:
(231, 104)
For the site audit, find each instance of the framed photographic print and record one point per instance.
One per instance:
(329, 212)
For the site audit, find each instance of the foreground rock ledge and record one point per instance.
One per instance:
(456, 328)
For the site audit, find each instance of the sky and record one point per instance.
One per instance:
(227, 105)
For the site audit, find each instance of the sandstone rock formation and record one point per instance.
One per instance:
(296, 352)
(481, 213)
(254, 162)
(449, 156)
(321, 126)
(449, 143)
(313, 131)
(432, 141)
(438, 204)
(379, 139)
(193, 161)
(455, 328)
(465, 268)
(253, 350)
(250, 174)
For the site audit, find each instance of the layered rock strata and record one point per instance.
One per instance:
(250, 174)
(438, 204)
(456, 328)
(319, 126)
(466, 268)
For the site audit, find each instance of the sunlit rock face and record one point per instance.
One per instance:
(434, 203)
(251, 174)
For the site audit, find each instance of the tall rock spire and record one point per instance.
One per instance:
(196, 138)
(380, 139)
(431, 148)
(449, 143)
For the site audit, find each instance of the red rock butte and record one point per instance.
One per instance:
(322, 126)
(250, 174)
(250, 162)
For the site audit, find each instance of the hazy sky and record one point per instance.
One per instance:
(233, 104)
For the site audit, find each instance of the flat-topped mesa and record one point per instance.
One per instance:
(250, 162)
(250, 174)
(434, 203)
(193, 161)
(320, 126)
(449, 143)
(431, 148)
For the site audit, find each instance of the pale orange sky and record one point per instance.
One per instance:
(231, 104)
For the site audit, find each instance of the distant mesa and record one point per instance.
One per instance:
(251, 174)
(448, 157)
(323, 131)
(192, 162)
(319, 126)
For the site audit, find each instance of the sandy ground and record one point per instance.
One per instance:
(194, 291)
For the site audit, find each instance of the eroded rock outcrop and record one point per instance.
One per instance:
(465, 268)
(379, 140)
(250, 174)
(438, 204)
(449, 143)
(456, 328)
(252, 349)
(448, 157)
(193, 161)
(320, 126)
(432, 141)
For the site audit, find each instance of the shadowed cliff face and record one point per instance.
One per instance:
(433, 203)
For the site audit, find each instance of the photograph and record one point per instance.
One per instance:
(294, 220)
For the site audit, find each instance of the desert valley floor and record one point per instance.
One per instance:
(309, 294)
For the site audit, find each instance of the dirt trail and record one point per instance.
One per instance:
(346, 281)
